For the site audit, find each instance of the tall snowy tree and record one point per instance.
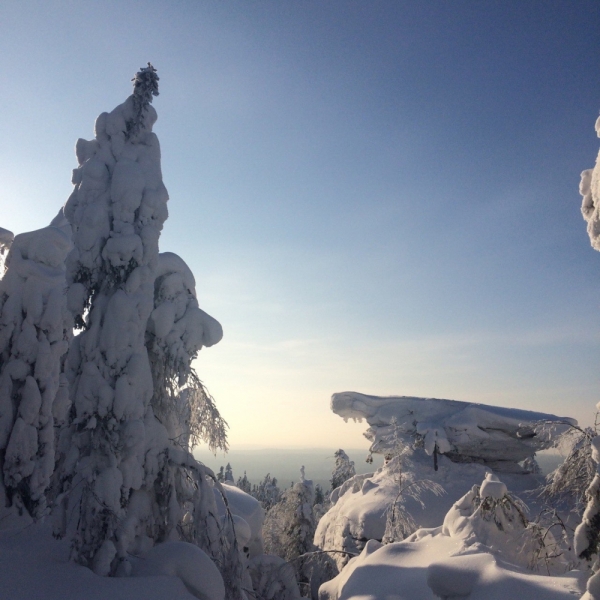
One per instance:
(127, 477)
(587, 535)
(35, 329)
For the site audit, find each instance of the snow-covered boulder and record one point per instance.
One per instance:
(464, 431)
(187, 562)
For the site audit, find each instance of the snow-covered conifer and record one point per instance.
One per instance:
(343, 470)
(6, 240)
(566, 487)
(587, 535)
(35, 328)
(229, 475)
(244, 484)
(289, 527)
(267, 492)
(319, 495)
(127, 477)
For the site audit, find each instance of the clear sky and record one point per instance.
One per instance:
(378, 196)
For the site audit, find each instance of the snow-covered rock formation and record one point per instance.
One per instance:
(464, 431)
(466, 441)
(485, 550)
(35, 329)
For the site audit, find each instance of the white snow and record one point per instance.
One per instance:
(247, 509)
(35, 329)
(36, 566)
(500, 437)
(470, 557)
(187, 562)
(409, 431)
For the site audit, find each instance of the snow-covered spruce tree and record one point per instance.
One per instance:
(566, 487)
(587, 535)
(243, 484)
(343, 469)
(289, 527)
(6, 240)
(267, 492)
(35, 328)
(128, 480)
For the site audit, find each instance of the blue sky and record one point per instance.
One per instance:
(379, 196)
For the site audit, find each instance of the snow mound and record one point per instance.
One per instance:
(488, 545)
(186, 561)
(464, 431)
(250, 517)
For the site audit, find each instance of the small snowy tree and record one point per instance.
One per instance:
(319, 495)
(566, 486)
(289, 527)
(35, 329)
(343, 470)
(267, 492)
(244, 484)
(6, 240)
(399, 523)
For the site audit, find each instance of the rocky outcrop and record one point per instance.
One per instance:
(495, 436)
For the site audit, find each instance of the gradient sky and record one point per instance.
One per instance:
(379, 196)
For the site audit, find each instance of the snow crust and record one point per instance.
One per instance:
(499, 437)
